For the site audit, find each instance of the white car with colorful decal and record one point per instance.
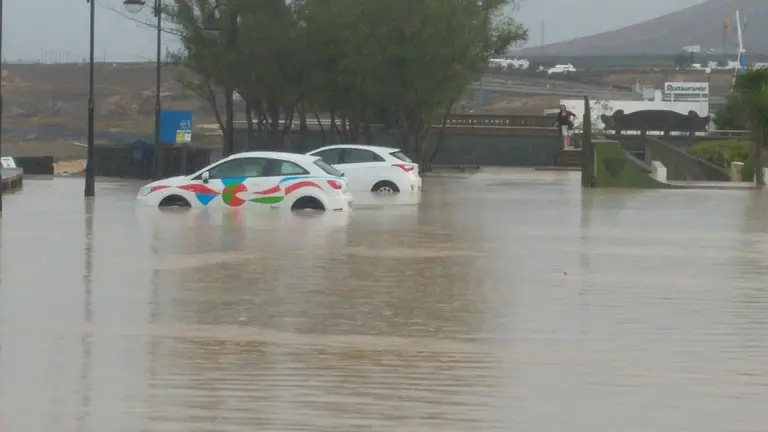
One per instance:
(255, 179)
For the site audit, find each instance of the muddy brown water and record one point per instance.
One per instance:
(506, 300)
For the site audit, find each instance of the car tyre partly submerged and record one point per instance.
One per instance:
(174, 201)
(308, 203)
(385, 188)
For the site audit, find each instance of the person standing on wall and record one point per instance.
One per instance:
(565, 125)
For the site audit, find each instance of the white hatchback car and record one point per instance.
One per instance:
(372, 168)
(255, 179)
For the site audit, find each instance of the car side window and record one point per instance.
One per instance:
(354, 155)
(239, 168)
(286, 168)
(330, 156)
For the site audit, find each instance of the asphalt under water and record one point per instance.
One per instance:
(507, 300)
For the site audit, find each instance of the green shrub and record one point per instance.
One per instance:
(730, 117)
(723, 153)
(748, 170)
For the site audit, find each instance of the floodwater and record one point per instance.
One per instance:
(502, 301)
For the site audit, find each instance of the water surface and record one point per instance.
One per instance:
(506, 300)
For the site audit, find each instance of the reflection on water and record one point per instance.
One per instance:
(505, 300)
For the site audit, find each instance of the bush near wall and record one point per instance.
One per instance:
(723, 153)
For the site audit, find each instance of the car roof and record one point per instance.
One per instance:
(293, 157)
(360, 146)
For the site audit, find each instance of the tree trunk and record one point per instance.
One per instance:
(322, 128)
(439, 142)
(287, 128)
(423, 137)
(273, 111)
(214, 103)
(368, 133)
(345, 129)
(251, 144)
(354, 132)
(303, 127)
(334, 127)
(759, 173)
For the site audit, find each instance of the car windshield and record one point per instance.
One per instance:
(328, 169)
(400, 155)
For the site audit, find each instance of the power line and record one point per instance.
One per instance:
(136, 20)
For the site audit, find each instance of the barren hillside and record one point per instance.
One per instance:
(701, 24)
(44, 102)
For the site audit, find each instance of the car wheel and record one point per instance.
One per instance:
(174, 201)
(308, 203)
(385, 187)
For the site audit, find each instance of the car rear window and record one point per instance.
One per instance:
(328, 169)
(400, 155)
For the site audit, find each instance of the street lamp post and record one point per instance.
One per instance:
(212, 26)
(135, 6)
(90, 171)
(1, 96)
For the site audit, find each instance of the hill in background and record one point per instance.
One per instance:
(701, 24)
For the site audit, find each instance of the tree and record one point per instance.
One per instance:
(684, 59)
(750, 92)
(396, 63)
(429, 52)
(200, 62)
(730, 116)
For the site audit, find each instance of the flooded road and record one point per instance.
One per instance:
(501, 301)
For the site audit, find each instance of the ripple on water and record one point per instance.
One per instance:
(506, 300)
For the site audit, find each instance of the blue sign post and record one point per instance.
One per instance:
(175, 127)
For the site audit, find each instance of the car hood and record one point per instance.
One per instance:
(171, 181)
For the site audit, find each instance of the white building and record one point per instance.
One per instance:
(510, 63)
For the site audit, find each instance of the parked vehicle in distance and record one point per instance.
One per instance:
(255, 179)
(372, 168)
(561, 69)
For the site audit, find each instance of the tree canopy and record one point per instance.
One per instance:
(397, 63)
(748, 105)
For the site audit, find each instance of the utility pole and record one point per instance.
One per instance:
(1, 95)
(90, 168)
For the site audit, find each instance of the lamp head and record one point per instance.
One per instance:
(134, 6)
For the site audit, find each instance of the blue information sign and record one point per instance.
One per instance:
(175, 127)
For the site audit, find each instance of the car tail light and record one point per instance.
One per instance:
(404, 167)
(335, 184)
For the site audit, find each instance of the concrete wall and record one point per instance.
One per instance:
(35, 165)
(503, 146)
(534, 146)
(128, 161)
(680, 164)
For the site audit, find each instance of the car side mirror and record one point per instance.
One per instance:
(342, 173)
(205, 177)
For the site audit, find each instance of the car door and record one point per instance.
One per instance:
(361, 167)
(233, 182)
(280, 175)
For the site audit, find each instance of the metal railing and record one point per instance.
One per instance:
(499, 120)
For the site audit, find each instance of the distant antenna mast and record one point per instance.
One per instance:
(742, 59)
(542, 38)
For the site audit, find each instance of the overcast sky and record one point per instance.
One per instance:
(60, 27)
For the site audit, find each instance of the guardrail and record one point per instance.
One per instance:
(550, 90)
(731, 133)
(500, 120)
(511, 121)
